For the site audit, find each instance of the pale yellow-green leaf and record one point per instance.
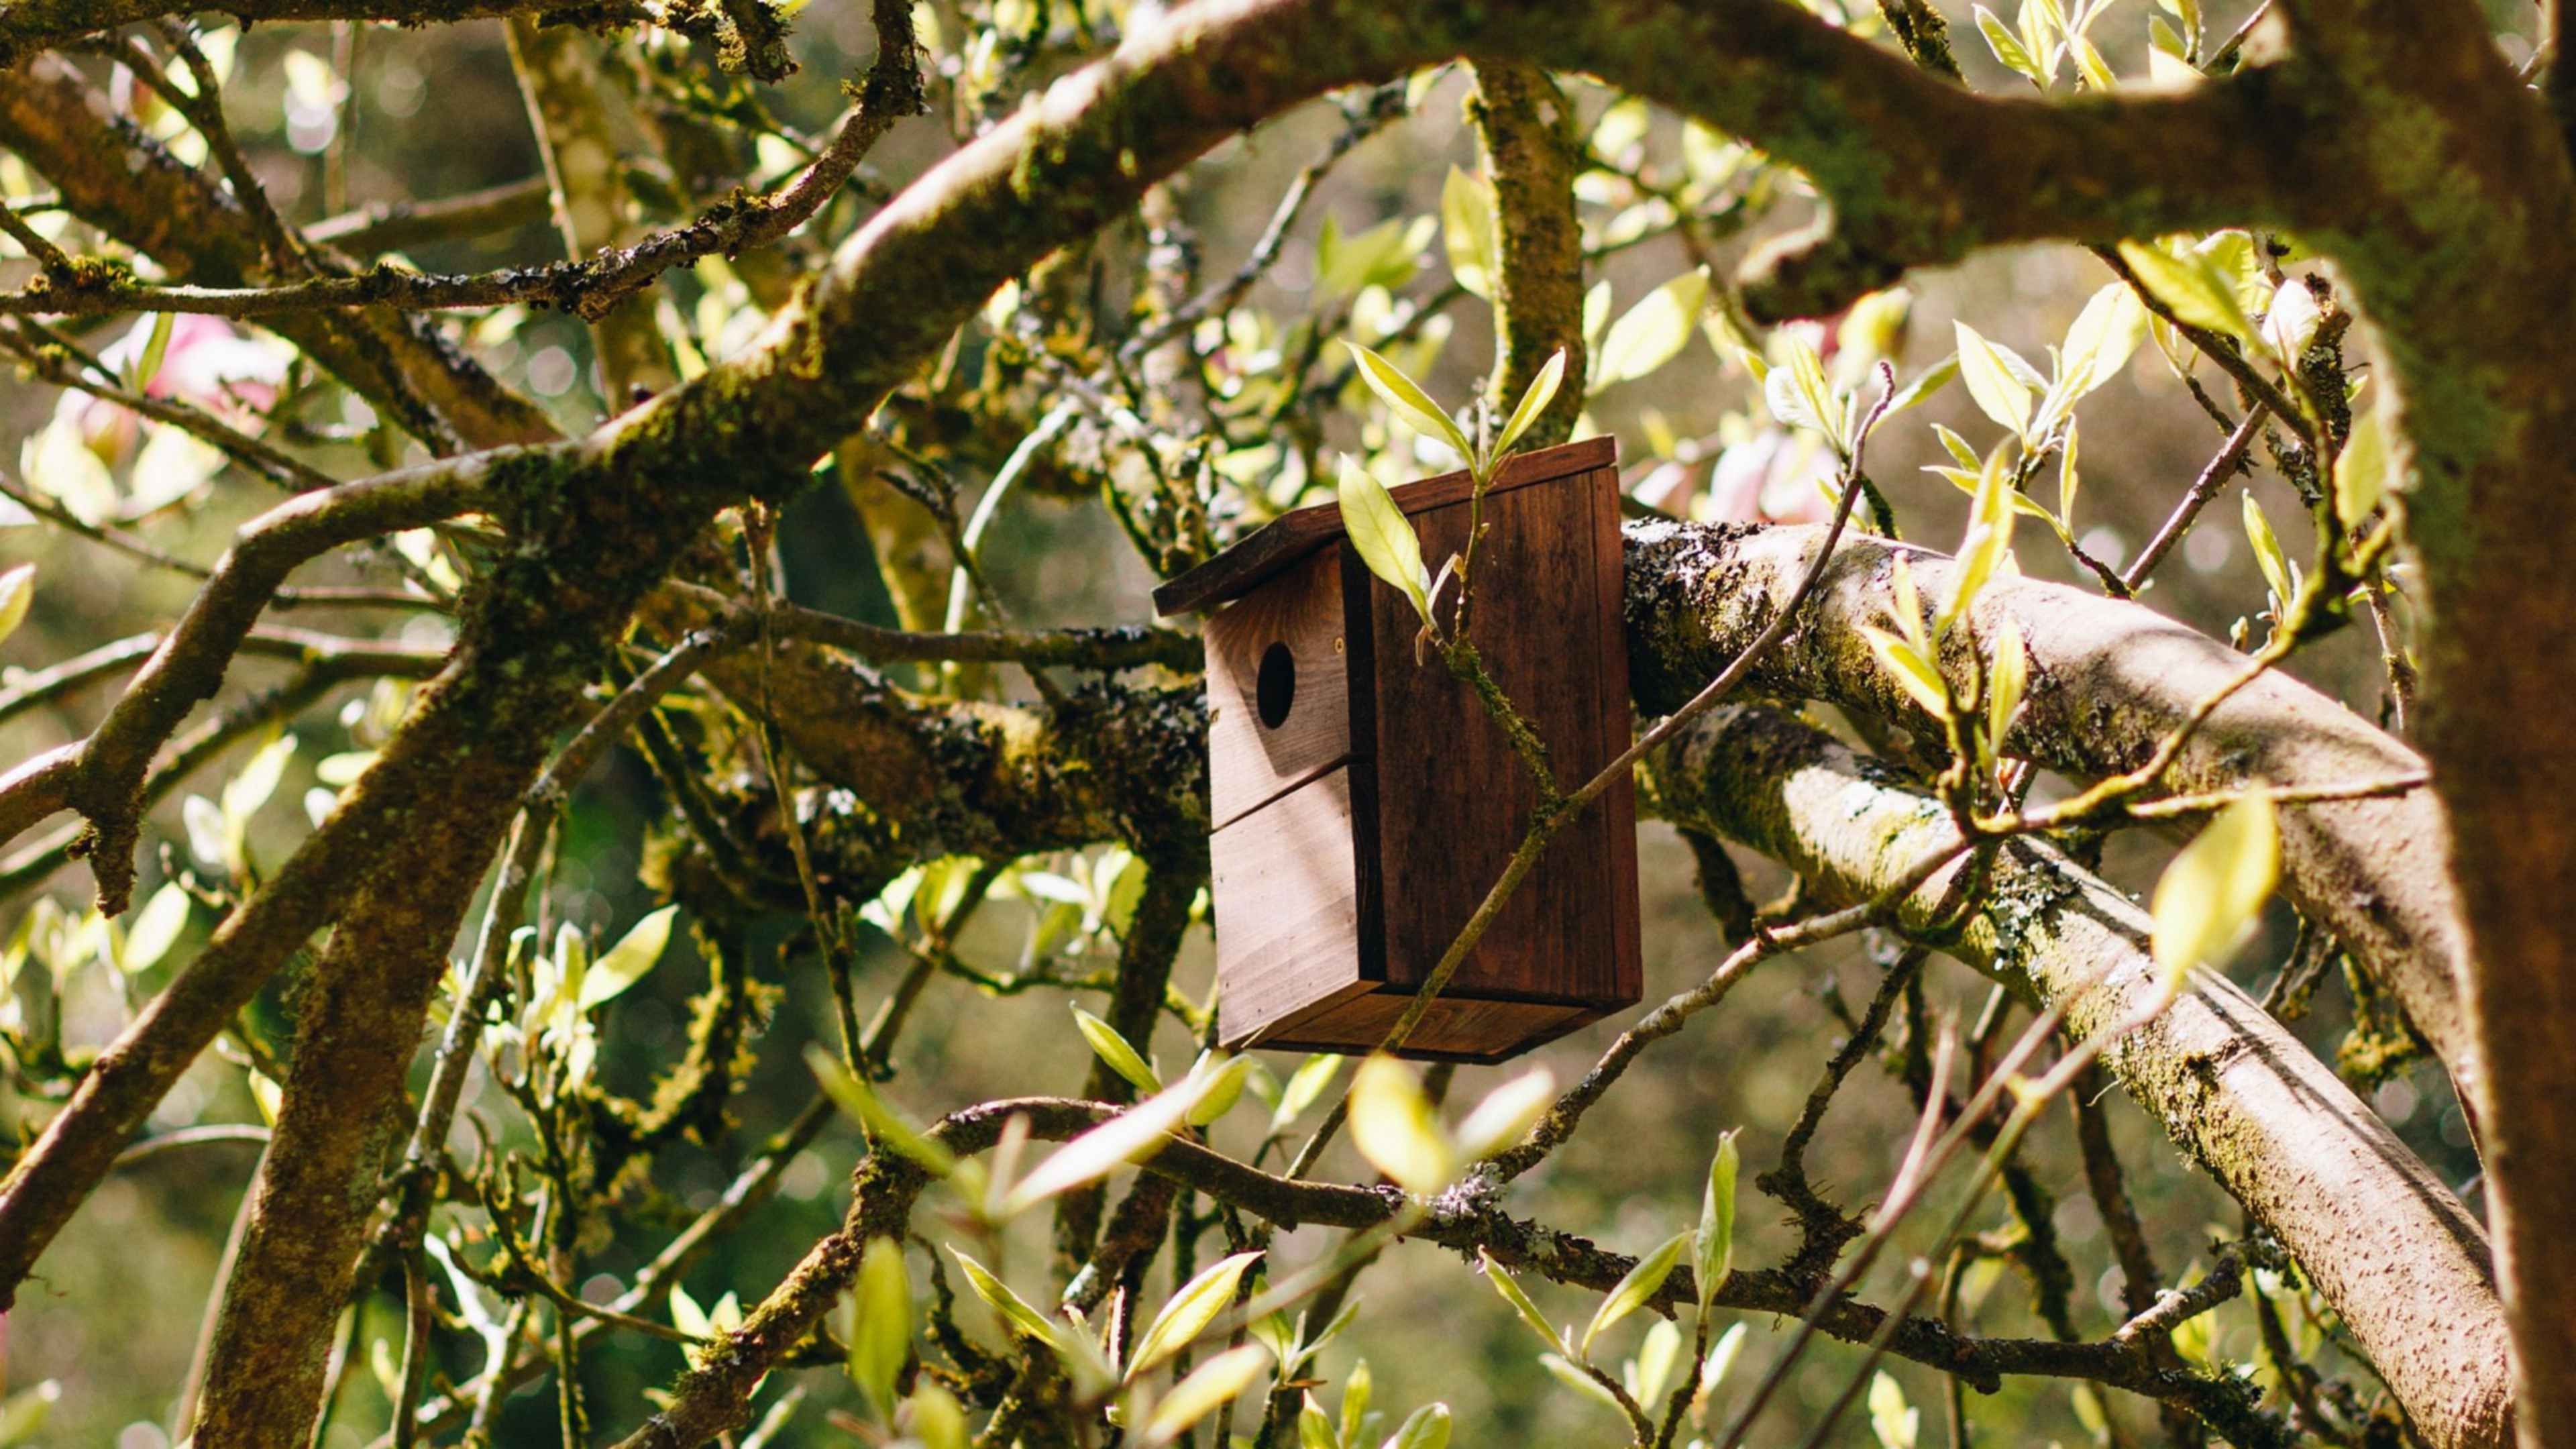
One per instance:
(2090, 64)
(687, 1316)
(1132, 1136)
(2007, 46)
(1958, 448)
(1116, 1052)
(156, 346)
(1913, 673)
(1507, 1286)
(1424, 1428)
(881, 1335)
(1909, 608)
(1315, 1427)
(1209, 1388)
(936, 1418)
(1507, 1113)
(860, 1101)
(1565, 1372)
(1637, 1289)
(1596, 318)
(1356, 1386)
(2105, 335)
(2267, 550)
(1467, 231)
(57, 462)
(155, 928)
(1652, 1369)
(625, 963)
(1190, 1311)
(1652, 332)
(1534, 401)
(23, 1414)
(1394, 1127)
(1713, 1245)
(1383, 537)
(2361, 470)
(17, 591)
(1411, 405)
(1305, 1086)
(173, 463)
(1807, 374)
(1988, 544)
(2211, 893)
(2068, 480)
(2167, 64)
(1999, 393)
(266, 1095)
(1225, 1081)
(1721, 1357)
(2006, 680)
(245, 792)
(2190, 286)
(1894, 1422)
(1016, 1313)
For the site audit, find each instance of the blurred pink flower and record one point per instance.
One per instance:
(206, 363)
(1769, 478)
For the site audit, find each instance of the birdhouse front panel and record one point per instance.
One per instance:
(1364, 801)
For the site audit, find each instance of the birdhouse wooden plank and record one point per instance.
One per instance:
(1363, 803)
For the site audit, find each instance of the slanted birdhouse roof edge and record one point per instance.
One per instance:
(1294, 535)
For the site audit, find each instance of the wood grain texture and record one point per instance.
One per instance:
(1291, 536)
(1455, 801)
(1455, 1029)
(1251, 762)
(1287, 909)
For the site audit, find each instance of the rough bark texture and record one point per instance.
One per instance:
(2383, 1239)
(1526, 130)
(2108, 682)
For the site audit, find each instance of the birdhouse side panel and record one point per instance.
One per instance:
(1278, 684)
(1456, 800)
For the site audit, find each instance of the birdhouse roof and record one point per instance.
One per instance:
(1292, 536)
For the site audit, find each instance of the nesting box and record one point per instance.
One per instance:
(1364, 803)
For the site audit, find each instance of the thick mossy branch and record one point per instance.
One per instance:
(2401, 1260)
(2108, 682)
(1532, 152)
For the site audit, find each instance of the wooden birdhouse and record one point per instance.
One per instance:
(1364, 802)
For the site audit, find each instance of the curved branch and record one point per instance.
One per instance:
(2109, 680)
(35, 24)
(2401, 1260)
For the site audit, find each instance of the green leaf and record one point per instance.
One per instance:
(1189, 1312)
(1721, 1357)
(23, 1415)
(1132, 1136)
(1932, 380)
(1410, 404)
(881, 1333)
(1504, 1284)
(1999, 394)
(936, 1418)
(1637, 1289)
(244, 793)
(1654, 1362)
(155, 929)
(1211, 1387)
(1506, 1115)
(1424, 1428)
(1582, 1383)
(1115, 1051)
(1989, 541)
(1315, 1427)
(1305, 1086)
(2090, 64)
(890, 1132)
(1653, 332)
(2361, 470)
(1909, 608)
(1016, 1313)
(2216, 886)
(687, 1316)
(625, 963)
(2006, 681)
(1383, 536)
(2190, 286)
(2267, 551)
(156, 346)
(2291, 320)
(1914, 674)
(2006, 46)
(1713, 1246)
(2105, 335)
(1890, 1418)
(1355, 1400)
(1542, 391)
(1468, 233)
(1393, 1126)
(1225, 1080)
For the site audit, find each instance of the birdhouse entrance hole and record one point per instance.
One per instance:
(1277, 687)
